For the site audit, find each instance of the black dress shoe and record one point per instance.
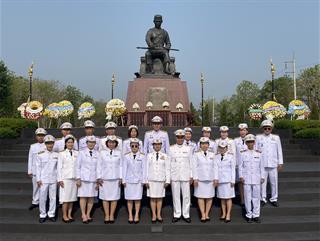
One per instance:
(66, 221)
(222, 219)
(153, 221)
(275, 204)
(257, 220)
(53, 219)
(208, 219)
(130, 221)
(249, 220)
(32, 206)
(85, 222)
(203, 220)
(42, 220)
(187, 220)
(174, 220)
(71, 220)
(111, 221)
(159, 220)
(90, 220)
(136, 221)
(227, 220)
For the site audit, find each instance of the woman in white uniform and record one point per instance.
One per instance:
(67, 178)
(133, 179)
(205, 177)
(87, 178)
(157, 179)
(110, 177)
(132, 133)
(227, 178)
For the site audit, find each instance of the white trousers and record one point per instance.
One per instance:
(45, 189)
(178, 187)
(272, 173)
(35, 191)
(252, 200)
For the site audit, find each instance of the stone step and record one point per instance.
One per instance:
(250, 236)
(293, 210)
(238, 225)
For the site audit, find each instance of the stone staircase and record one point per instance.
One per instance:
(297, 218)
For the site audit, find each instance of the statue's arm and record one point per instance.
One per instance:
(148, 39)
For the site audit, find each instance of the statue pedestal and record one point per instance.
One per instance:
(158, 89)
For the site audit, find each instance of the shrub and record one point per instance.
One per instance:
(11, 127)
(6, 132)
(308, 133)
(297, 125)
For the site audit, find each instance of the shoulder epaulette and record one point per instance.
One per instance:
(141, 153)
(197, 151)
(127, 153)
(258, 151)
(210, 151)
(40, 152)
(230, 138)
(243, 151)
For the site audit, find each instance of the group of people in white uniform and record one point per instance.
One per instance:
(98, 168)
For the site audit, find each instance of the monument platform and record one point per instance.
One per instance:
(165, 96)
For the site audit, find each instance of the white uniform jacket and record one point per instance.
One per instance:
(134, 169)
(270, 147)
(205, 167)
(158, 169)
(181, 162)
(67, 165)
(33, 151)
(227, 167)
(87, 165)
(251, 167)
(109, 165)
(46, 166)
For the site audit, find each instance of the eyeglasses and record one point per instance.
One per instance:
(267, 128)
(134, 146)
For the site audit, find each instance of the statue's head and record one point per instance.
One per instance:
(157, 20)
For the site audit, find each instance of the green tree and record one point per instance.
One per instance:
(283, 90)
(196, 115)
(6, 107)
(308, 89)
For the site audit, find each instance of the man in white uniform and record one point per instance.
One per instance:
(60, 143)
(89, 129)
(181, 177)
(46, 174)
(240, 146)
(154, 134)
(251, 172)
(270, 146)
(111, 128)
(33, 151)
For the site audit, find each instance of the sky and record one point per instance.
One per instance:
(84, 42)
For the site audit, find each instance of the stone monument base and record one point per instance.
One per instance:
(152, 95)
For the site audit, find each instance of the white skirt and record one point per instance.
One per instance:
(133, 191)
(156, 189)
(87, 189)
(205, 189)
(69, 192)
(225, 191)
(110, 190)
